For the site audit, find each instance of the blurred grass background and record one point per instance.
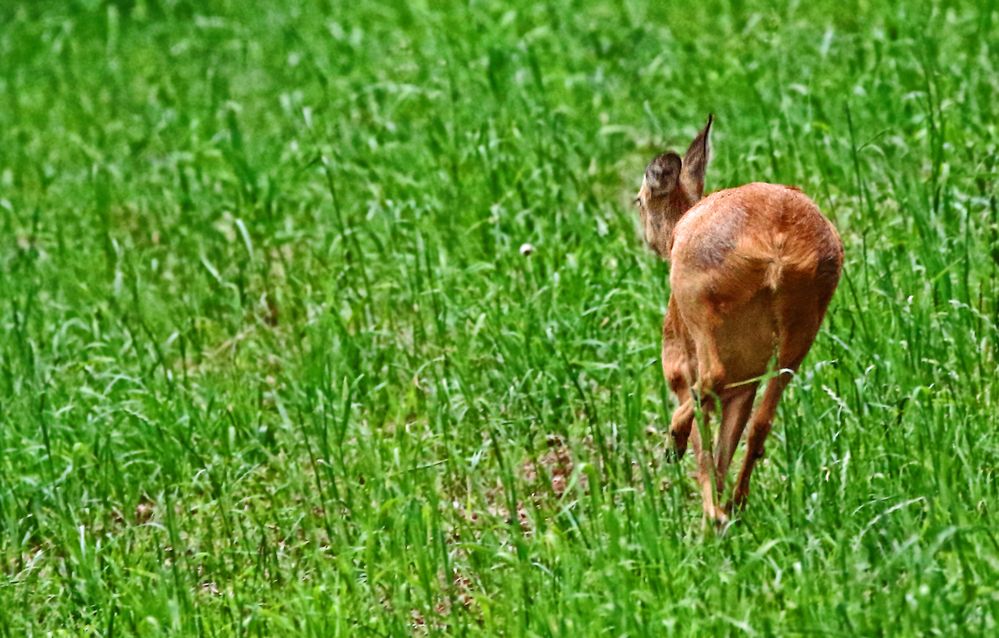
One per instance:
(272, 364)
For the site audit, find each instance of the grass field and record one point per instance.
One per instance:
(272, 364)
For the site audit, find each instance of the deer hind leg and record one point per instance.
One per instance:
(711, 377)
(679, 375)
(796, 330)
(758, 431)
(735, 413)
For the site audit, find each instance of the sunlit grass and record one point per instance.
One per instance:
(272, 362)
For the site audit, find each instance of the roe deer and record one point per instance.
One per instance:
(752, 270)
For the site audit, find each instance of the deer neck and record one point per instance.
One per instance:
(677, 205)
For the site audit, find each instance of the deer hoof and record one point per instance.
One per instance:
(674, 454)
(678, 449)
(722, 522)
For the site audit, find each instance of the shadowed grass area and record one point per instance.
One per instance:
(271, 362)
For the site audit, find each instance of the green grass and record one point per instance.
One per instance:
(272, 364)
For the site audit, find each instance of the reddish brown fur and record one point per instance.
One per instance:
(752, 271)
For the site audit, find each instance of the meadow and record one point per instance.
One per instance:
(273, 364)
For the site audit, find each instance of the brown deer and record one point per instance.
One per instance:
(752, 270)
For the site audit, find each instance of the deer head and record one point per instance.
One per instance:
(671, 186)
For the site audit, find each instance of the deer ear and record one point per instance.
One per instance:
(663, 173)
(695, 161)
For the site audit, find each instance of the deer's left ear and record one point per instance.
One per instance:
(663, 174)
(695, 161)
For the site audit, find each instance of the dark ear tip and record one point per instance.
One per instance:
(669, 159)
(665, 161)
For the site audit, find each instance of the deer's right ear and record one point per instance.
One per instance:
(663, 173)
(695, 161)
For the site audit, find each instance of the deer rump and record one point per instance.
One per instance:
(752, 262)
